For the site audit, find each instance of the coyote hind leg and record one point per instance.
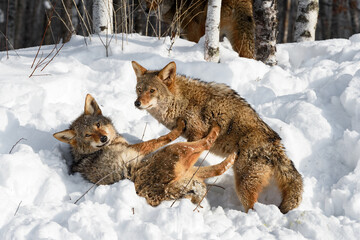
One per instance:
(250, 181)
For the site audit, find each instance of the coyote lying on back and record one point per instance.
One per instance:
(103, 156)
(168, 96)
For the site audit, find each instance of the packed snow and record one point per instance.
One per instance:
(311, 98)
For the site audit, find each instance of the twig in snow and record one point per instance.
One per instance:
(17, 209)
(144, 131)
(16, 144)
(107, 45)
(8, 41)
(95, 184)
(53, 56)
(42, 61)
(43, 38)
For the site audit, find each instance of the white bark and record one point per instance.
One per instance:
(212, 31)
(103, 16)
(265, 13)
(306, 20)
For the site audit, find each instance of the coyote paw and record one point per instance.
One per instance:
(181, 124)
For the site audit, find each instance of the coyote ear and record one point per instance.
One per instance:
(139, 70)
(65, 136)
(91, 106)
(168, 73)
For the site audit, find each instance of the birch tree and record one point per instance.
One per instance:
(212, 32)
(266, 22)
(103, 16)
(306, 20)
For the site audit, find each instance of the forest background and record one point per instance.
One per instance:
(24, 23)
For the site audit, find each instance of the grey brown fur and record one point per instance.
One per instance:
(168, 96)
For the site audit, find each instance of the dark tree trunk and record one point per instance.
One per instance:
(325, 18)
(354, 13)
(286, 20)
(11, 25)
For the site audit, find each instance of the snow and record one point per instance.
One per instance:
(312, 99)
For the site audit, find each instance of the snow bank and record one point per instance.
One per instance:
(312, 99)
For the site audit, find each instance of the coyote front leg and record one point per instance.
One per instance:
(147, 147)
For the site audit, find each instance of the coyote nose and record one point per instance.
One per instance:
(103, 139)
(137, 103)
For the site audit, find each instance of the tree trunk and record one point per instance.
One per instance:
(212, 33)
(11, 25)
(286, 20)
(354, 13)
(325, 18)
(265, 13)
(103, 16)
(306, 20)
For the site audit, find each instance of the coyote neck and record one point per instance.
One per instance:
(90, 156)
(169, 111)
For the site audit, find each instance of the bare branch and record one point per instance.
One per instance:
(16, 144)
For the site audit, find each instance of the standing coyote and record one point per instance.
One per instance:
(261, 156)
(236, 20)
(103, 156)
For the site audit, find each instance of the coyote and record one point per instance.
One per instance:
(236, 21)
(103, 156)
(261, 156)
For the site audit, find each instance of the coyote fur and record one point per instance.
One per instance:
(103, 156)
(236, 21)
(261, 156)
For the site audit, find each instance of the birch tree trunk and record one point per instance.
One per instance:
(103, 16)
(306, 20)
(266, 22)
(212, 33)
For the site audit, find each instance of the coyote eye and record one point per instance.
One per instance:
(87, 135)
(152, 90)
(98, 125)
(139, 90)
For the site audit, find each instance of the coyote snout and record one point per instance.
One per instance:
(145, 102)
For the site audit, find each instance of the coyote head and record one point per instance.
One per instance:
(90, 132)
(154, 88)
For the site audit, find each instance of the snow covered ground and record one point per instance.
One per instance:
(312, 99)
